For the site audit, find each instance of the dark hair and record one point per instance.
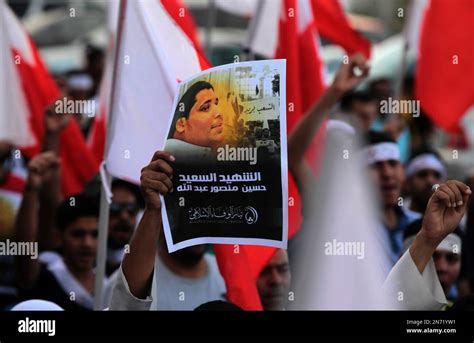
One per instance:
(132, 188)
(466, 303)
(349, 98)
(188, 99)
(375, 137)
(374, 83)
(218, 305)
(69, 211)
(93, 52)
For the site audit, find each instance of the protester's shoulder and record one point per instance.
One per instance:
(49, 257)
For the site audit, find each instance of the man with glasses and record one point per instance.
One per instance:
(124, 209)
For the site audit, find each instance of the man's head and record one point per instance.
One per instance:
(197, 119)
(382, 156)
(273, 282)
(381, 89)
(423, 171)
(448, 266)
(77, 222)
(123, 213)
(80, 85)
(362, 107)
(447, 256)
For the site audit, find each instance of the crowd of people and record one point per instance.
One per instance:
(141, 274)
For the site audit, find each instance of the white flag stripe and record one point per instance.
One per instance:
(14, 118)
(264, 39)
(154, 55)
(412, 28)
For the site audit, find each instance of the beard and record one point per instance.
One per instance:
(190, 256)
(121, 227)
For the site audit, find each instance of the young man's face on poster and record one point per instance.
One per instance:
(204, 125)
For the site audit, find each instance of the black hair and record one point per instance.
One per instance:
(375, 137)
(93, 52)
(218, 305)
(466, 303)
(349, 98)
(134, 189)
(374, 83)
(188, 100)
(75, 207)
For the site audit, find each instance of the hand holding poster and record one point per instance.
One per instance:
(228, 137)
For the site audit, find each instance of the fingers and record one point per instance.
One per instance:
(164, 155)
(156, 177)
(156, 180)
(465, 192)
(453, 193)
(456, 189)
(161, 166)
(359, 61)
(442, 197)
(42, 162)
(149, 184)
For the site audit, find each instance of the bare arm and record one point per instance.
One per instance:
(26, 224)
(303, 133)
(445, 209)
(138, 265)
(50, 195)
(40, 169)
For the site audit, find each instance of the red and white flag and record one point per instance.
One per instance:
(153, 56)
(445, 66)
(182, 17)
(26, 89)
(286, 29)
(333, 25)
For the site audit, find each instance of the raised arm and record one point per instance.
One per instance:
(50, 195)
(138, 265)
(40, 169)
(443, 213)
(303, 133)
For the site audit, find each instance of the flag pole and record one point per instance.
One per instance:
(106, 178)
(253, 25)
(211, 23)
(399, 84)
(399, 87)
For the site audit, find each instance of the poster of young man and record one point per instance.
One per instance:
(228, 137)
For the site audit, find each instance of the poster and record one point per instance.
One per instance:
(228, 135)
